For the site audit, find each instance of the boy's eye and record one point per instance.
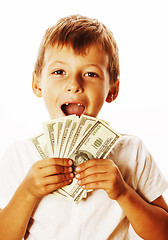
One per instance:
(59, 72)
(91, 74)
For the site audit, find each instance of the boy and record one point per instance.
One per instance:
(76, 71)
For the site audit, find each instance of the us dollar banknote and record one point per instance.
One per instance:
(40, 144)
(84, 124)
(95, 144)
(77, 138)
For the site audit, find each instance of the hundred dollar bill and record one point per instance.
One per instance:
(60, 194)
(53, 131)
(39, 143)
(67, 126)
(96, 143)
(84, 124)
(58, 131)
(50, 138)
(70, 136)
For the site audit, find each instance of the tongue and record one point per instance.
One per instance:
(73, 108)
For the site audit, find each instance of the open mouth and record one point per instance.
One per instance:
(73, 108)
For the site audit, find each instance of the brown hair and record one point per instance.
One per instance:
(80, 32)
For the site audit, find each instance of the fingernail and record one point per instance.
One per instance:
(79, 182)
(71, 175)
(77, 175)
(77, 168)
(70, 162)
(70, 169)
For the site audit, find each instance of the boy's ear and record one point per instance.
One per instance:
(113, 92)
(36, 86)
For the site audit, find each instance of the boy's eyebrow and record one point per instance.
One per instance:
(94, 65)
(52, 63)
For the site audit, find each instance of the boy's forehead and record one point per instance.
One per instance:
(92, 54)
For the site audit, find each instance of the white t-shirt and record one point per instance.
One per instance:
(95, 218)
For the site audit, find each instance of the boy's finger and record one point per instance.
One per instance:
(95, 185)
(58, 178)
(53, 187)
(98, 177)
(91, 163)
(57, 169)
(54, 161)
(93, 170)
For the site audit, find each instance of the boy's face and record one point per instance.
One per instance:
(73, 84)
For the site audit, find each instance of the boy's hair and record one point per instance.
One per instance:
(80, 33)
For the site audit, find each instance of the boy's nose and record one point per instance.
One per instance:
(74, 87)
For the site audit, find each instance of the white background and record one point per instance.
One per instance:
(141, 31)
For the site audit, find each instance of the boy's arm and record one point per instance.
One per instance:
(150, 221)
(44, 177)
(15, 216)
(160, 202)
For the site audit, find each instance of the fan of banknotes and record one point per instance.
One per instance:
(77, 138)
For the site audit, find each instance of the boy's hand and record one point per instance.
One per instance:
(47, 175)
(101, 174)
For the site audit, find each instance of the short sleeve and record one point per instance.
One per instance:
(151, 183)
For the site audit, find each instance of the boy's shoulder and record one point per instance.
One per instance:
(129, 152)
(128, 142)
(20, 147)
(20, 152)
